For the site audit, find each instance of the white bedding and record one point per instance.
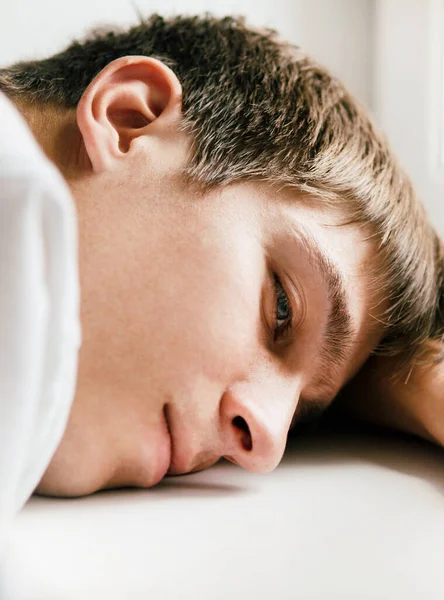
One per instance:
(345, 516)
(39, 311)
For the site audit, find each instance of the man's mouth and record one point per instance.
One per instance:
(168, 422)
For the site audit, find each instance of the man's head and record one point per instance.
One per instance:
(246, 239)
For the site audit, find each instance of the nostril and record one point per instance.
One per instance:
(246, 439)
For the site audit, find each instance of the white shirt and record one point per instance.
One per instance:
(39, 311)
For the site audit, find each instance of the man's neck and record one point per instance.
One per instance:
(57, 134)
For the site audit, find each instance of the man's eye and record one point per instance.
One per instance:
(283, 310)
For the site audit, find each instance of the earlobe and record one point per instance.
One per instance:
(131, 97)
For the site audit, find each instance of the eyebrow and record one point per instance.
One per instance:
(338, 335)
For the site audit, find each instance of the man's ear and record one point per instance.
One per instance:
(131, 97)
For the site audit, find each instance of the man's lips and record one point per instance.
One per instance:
(178, 461)
(184, 458)
(162, 445)
(168, 422)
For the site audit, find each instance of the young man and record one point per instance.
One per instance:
(246, 241)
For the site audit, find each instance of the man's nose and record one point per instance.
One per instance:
(255, 424)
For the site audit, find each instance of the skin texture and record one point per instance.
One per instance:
(403, 397)
(178, 296)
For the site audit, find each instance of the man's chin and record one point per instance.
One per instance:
(60, 489)
(59, 481)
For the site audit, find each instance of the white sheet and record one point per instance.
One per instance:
(39, 305)
(345, 517)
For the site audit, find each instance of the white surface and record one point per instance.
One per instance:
(408, 91)
(345, 517)
(337, 32)
(39, 300)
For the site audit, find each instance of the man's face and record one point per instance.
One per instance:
(209, 321)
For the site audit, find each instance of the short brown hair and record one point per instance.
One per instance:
(258, 108)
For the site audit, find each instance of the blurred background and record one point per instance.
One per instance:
(390, 53)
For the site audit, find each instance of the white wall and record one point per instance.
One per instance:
(337, 32)
(408, 91)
